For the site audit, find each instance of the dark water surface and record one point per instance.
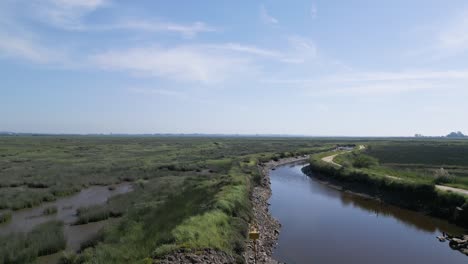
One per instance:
(26, 219)
(324, 225)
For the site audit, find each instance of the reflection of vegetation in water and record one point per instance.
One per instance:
(44, 239)
(407, 189)
(409, 218)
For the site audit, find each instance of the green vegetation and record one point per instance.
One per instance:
(43, 240)
(193, 192)
(5, 217)
(407, 188)
(50, 210)
(188, 192)
(425, 159)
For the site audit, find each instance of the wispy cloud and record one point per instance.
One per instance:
(236, 47)
(453, 39)
(266, 17)
(180, 63)
(442, 40)
(313, 11)
(186, 30)
(299, 50)
(157, 91)
(379, 83)
(12, 46)
(17, 43)
(66, 14)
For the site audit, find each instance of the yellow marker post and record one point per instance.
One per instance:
(254, 235)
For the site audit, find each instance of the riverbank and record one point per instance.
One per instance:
(268, 226)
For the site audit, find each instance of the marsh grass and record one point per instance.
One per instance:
(44, 239)
(95, 213)
(5, 217)
(50, 210)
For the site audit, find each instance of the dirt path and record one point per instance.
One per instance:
(452, 189)
(329, 159)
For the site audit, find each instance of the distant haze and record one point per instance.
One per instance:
(321, 68)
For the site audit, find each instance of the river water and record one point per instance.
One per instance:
(324, 225)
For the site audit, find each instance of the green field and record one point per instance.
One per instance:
(420, 159)
(188, 192)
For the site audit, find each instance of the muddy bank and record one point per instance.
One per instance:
(268, 227)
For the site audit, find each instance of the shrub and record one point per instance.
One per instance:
(364, 161)
(50, 210)
(442, 176)
(5, 217)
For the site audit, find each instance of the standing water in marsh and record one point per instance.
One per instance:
(25, 220)
(324, 225)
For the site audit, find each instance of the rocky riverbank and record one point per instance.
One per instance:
(268, 227)
(459, 243)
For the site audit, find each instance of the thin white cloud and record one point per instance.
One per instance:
(298, 50)
(453, 39)
(236, 47)
(186, 30)
(313, 11)
(266, 17)
(66, 14)
(442, 40)
(27, 48)
(379, 83)
(301, 49)
(180, 63)
(157, 91)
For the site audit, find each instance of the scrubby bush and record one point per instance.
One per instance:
(442, 176)
(363, 161)
(5, 217)
(50, 210)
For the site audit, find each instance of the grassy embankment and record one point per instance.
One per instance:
(403, 187)
(424, 158)
(190, 193)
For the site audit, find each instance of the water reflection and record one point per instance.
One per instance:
(323, 225)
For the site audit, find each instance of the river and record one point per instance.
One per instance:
(324, 225)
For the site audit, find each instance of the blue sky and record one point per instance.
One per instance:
(356, 68)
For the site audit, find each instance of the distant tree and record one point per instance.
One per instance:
(456, 135)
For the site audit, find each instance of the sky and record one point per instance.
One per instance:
(304, 67)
